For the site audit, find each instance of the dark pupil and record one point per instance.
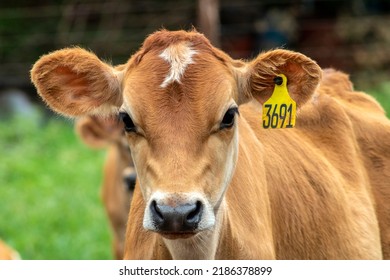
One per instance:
(129, 181)
(228, 119)
(128, 122)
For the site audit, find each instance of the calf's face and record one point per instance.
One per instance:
(181, 128)
(178, 98)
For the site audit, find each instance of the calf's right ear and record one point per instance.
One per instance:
(75, 82)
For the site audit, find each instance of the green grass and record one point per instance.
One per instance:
(50, 206)
(382, 94)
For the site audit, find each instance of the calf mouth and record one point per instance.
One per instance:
(177, 235)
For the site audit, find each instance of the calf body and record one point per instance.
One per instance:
(212, 182)
(372, 131)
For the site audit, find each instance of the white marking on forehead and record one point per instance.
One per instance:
(179, 56)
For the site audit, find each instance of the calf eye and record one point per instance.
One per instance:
(128, 122)
(228, 118)
(129, 180)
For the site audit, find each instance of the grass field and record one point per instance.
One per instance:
(50, 206)
(382, 94)
(49, 190)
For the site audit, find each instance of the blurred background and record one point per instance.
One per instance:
(49, 181)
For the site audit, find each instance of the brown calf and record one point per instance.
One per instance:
(213, 183)
(118, 173)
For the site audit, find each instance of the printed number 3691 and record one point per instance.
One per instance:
(276, 117)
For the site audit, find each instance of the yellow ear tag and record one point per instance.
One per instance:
(280, 109)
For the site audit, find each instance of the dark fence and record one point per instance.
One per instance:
(352, 35)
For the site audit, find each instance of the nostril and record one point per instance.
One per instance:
(156, 211)
(193, 217)
(180, 218)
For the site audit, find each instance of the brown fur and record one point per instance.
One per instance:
(303, 193)
(372, 130)
(105, 133)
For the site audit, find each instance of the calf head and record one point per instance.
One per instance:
(99, 133)
(178, 98)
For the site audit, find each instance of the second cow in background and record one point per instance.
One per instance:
(118, 172)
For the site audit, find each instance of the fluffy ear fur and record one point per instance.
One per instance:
(98, 132)
(75, 82)
(303, 76)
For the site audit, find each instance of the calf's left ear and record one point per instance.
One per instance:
(303, 76)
